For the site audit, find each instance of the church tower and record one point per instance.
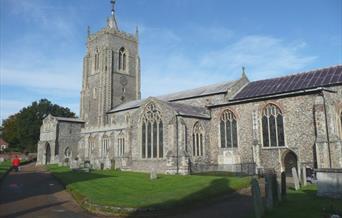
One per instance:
(111, 72)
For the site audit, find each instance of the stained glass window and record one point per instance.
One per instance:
(272, 127)
(152, 133)
(228, 130)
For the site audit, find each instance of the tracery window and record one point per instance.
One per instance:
(272, 126)
(122, 59)
(228, 130)
(121, 144)
(152, 133)
(91, 145)
(105, 145)
(197, 140)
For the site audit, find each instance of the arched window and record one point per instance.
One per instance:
(105, 145)
(272, 126)
(97, 59)
(152, 133)
(122, 59)
(340, 122)
(198, 140)
(228, 130)
(121, 144)
(67, 152)
(91, 145)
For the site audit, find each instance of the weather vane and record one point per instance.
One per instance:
(113, 6)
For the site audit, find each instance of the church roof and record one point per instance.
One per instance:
(219, 88)
(190, 111)
(302, 81)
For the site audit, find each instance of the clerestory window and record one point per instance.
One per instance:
(228, 130)
(152, 133)
(272, 127)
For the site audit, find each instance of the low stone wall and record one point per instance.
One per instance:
(329, 183)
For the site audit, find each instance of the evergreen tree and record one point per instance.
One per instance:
(22, 130)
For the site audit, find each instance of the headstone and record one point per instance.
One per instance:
(153, 175)
(2, 159)
(295, 179)
(304, 182)
(257, 200)
(283, 184)
(279, 188)
(269, 191)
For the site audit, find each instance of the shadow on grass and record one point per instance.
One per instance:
(208, 202)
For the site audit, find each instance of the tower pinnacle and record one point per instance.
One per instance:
(113, 6)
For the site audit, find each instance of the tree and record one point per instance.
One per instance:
(22, 130)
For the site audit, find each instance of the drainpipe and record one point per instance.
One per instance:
(326, 125)
(177, 145)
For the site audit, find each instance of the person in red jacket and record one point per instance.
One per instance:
(16, 163)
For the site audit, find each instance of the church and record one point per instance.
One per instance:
(238, 126)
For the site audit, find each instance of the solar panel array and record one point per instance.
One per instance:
(302, 81)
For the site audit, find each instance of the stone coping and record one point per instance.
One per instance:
(329, 170)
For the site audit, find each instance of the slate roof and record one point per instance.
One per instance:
(219, 88)
(191, 111)
(302, 81)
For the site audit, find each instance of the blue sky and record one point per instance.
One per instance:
(183, 43)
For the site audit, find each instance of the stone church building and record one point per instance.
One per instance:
(239, 125)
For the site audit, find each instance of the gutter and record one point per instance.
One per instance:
(177, 145)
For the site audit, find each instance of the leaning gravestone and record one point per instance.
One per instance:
(257, 200)
(269, 191)
(304, 182)
(153, 175)
(295, 178)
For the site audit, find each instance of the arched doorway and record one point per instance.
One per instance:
(47, 153)
(290, 161)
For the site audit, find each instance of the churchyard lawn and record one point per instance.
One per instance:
(305, 203)
(136, 190)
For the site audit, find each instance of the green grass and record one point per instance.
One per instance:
(4, 166)
(305, 203)
(136, 190)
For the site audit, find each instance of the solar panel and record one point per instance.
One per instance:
(308, 80)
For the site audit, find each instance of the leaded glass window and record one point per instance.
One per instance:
(152, 133)
(198, 138)
(121, 144)
(105, 145)
(228, 130)
(272, 127)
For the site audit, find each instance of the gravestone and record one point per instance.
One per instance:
(295, 179)
(283, 184)
(279, 188)
(2, 159)
(153, 175)
(304, 182)
(257, 200)
(269, 191)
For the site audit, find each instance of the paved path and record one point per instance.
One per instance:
(33, 192)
